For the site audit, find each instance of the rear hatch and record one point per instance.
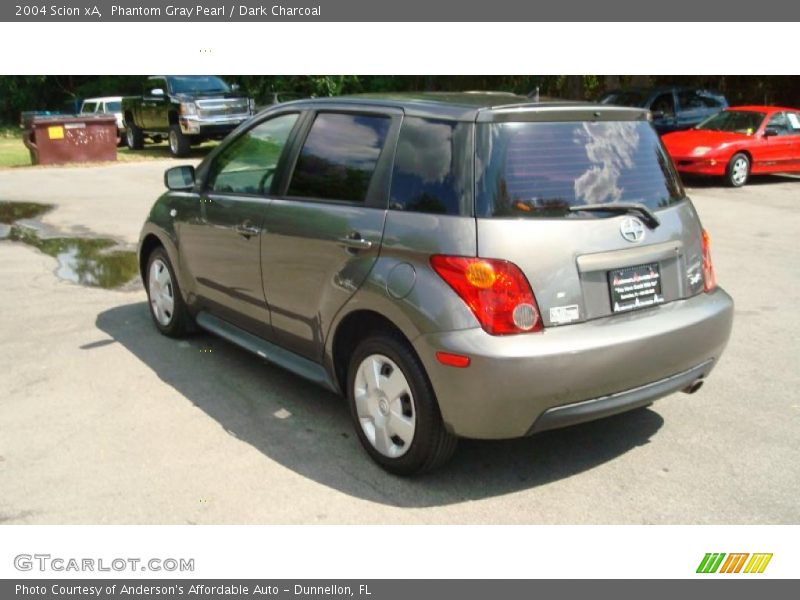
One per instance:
(586, 202)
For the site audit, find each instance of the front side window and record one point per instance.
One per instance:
(545, 169)
(779, 123)
(248, 165)
(339, 157)
(430, 168)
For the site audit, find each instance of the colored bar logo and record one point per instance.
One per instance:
(716, 562)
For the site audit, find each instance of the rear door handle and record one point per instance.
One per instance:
(354, 241)
(247, 231)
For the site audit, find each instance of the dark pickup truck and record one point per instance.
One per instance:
(186, 110)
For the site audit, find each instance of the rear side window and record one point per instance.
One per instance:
(543, 169)
(88, 107)
(430, 168)
(339, 157)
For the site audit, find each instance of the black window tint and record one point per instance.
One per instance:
(543, 169)
(248, 165)
(429, 169)
(339, 157)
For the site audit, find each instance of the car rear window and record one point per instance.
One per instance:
(543, 169)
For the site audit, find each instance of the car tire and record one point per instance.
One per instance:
(164, 299)
(179, 144)
(134, 137)
(738, 171)
(394, 410)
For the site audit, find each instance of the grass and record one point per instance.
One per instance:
(13, 152)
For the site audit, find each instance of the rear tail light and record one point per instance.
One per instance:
(495, 290)
(709, 277)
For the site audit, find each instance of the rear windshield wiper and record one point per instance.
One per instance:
(649, 218)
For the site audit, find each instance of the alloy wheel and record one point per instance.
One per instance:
(739, 171)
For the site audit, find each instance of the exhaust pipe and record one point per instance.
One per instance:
(694, 386)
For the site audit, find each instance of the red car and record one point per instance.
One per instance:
(738, 142)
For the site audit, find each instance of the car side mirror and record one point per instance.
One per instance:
(156, 92)
(770, 132)
(658, 114)
(179, 178)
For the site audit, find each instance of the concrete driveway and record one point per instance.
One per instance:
(102, 420)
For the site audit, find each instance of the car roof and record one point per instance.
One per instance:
(470, 106)
(104, 99)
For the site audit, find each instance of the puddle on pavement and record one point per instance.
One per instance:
(92, 262)
(14, 211)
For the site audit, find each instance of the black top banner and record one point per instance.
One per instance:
(398, 10)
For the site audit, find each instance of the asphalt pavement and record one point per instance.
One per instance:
(103, 420)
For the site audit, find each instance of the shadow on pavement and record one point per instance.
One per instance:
(249, 399)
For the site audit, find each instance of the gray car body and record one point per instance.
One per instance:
(293, 290)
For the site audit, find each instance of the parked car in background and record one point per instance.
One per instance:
(106, 105)
(673, 108)
(739, 142)
(184, 109)
(456, 265)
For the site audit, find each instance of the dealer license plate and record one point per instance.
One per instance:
(635, 287)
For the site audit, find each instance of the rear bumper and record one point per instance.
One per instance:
(516, 385)
(597, 408)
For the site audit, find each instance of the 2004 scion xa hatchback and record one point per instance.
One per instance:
(464, 265)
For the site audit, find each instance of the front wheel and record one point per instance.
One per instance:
(394, 408)
(738, 170)
(179, 144)
(134, 137)
(167, 308)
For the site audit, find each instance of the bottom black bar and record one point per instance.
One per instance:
(729, 587)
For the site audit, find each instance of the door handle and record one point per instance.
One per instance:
(354, 241)
(246, 230)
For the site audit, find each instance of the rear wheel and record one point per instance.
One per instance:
(134, 137)
(738, 170)
(179, 144)
(394, 408)
(167, 308)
